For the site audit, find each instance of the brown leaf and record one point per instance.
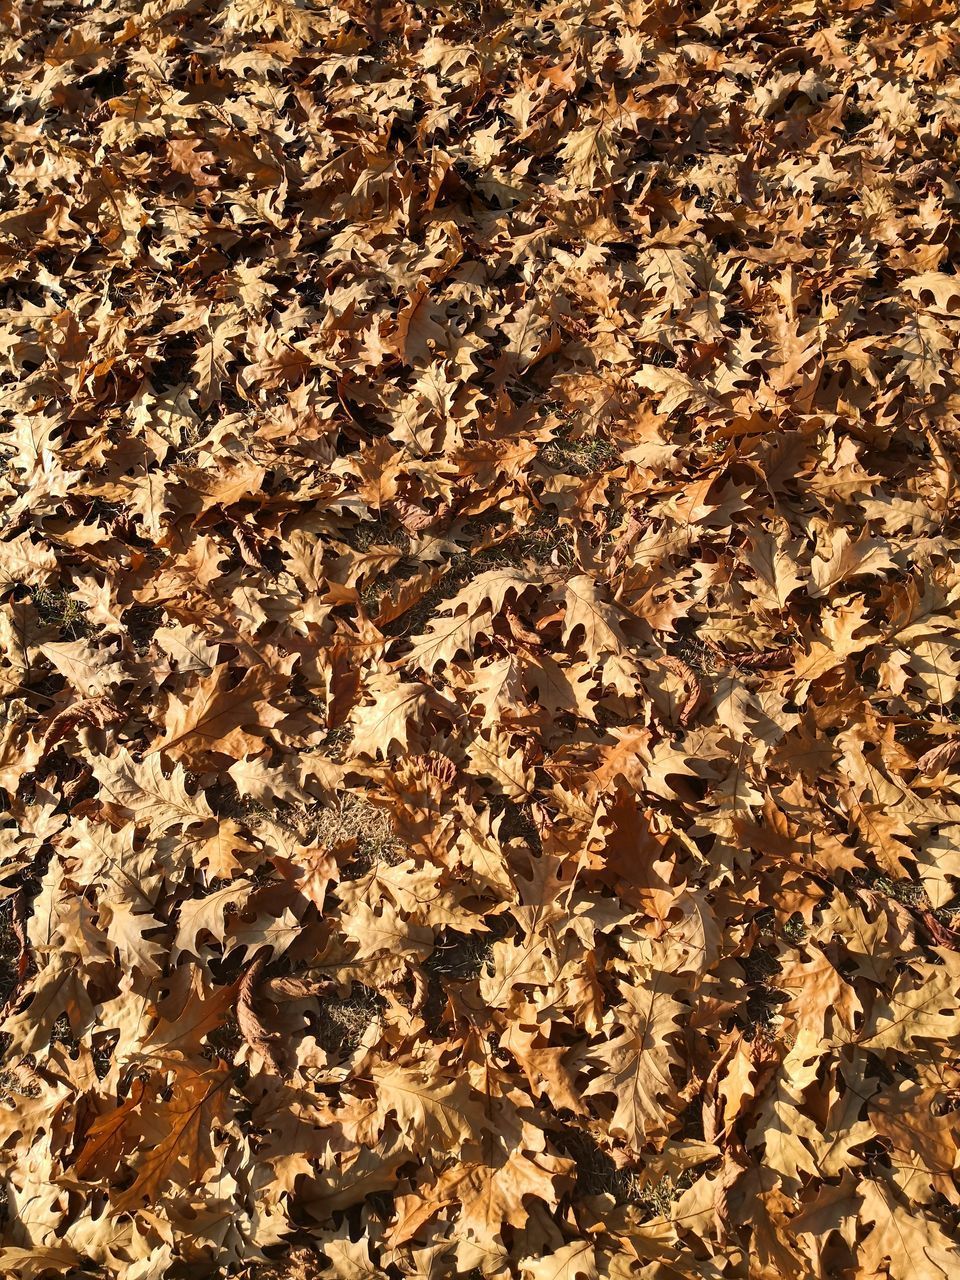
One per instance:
(259, 1038)
(217, 716)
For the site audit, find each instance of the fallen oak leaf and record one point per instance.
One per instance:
(96, 712)
(470, 614)
(185, 1151)
(37, 1261)
(193, 1009)
(137, 790)
(903, 1244)
(258, 1037)
(426, 1105)
(598, 621)
(491, 1194)
(214, 719)
(940, 935)
(416, 328)
(289, 987)
(396, 715)
(57, 989)
(695, 691)
(103, 1147)
(842, 558)
(206, 914)
(574, 1261)
(635, 1060)
(90, 670)
(940, 757)
(186, 157)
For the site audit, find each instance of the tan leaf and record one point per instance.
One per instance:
(185, 1151)
(218, 715)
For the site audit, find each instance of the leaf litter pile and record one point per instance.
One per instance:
(479, 639)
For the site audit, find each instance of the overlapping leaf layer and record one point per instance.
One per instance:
(479, 639)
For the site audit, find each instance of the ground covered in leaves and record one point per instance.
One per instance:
(479, 639)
